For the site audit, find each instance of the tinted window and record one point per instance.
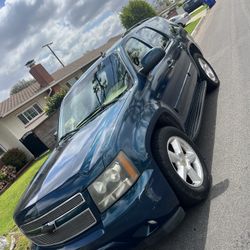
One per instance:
(136, 50)
(152, 37)
(161, 24)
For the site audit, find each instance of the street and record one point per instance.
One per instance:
(223, 221)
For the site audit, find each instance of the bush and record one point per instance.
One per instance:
(136, 11)
(15, 158)
(8, 173)
(54, 102)
(2, 176)
(2, 184)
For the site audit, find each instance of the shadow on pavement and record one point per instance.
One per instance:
(192, 232)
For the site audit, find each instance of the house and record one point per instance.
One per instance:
(23, 122)
(172, 10)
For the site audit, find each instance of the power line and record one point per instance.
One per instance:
(48, 45)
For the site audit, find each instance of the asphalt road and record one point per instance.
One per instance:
(223, 221)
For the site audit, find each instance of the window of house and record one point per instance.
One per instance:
(2, 151)
(153, 37)
(136, 50)
(29, 114)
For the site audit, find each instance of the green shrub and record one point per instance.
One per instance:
(7, 173)
(15, 158)
(2, 176)
(54, 102)
(2, 184)
(136, 11)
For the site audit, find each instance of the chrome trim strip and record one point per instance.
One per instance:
(57, 243)
(183, 85)
(83, 201)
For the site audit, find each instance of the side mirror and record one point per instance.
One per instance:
(151, 59)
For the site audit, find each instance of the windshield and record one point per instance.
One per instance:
(101, 86)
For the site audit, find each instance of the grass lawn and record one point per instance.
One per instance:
(10, 198)
(191, 26)
(194, 13)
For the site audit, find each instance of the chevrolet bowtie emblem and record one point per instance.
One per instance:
(49, 227)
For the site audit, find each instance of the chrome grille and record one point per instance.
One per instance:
(54, 214)
(72, 228)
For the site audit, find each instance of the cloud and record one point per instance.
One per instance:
(3, 94)
(74, 27)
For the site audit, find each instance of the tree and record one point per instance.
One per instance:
(22, 84)
(136, 11)
(54, 102)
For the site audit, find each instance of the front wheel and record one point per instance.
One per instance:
(182, 165)
(207, 72)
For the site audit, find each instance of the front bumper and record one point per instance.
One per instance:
(144, 208)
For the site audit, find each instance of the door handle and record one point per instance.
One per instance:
(171, 63)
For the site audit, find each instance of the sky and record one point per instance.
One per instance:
(75, 27)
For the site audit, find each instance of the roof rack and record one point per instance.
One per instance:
(137, 24)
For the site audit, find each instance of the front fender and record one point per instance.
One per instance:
(161, 116)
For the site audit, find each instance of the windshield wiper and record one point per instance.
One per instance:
(68, 134)
(97, 110)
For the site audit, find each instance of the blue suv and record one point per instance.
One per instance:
(191, 5)
(125, 163)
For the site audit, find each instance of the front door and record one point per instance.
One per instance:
(34, 144)
(180, 78)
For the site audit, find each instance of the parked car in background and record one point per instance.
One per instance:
(181, 20)
(125, 163)
(210, 3)
(191, 5)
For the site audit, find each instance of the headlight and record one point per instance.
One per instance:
(113, 182)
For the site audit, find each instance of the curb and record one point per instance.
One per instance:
(197, 28)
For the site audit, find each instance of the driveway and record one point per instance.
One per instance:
(223, 221)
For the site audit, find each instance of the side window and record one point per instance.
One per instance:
(136, 50)
(153, 37)
(161, 24)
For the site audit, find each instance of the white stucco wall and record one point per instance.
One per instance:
(12, 129)
(9, 141)
(16, 127)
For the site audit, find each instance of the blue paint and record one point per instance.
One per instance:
(125, 125)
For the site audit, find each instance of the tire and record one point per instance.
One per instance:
(181, 24)
(187, 192)
(212, 82)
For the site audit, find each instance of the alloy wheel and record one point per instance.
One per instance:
(208, 70)
(185, 161)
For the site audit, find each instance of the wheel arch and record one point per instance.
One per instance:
(193, 49)
(162, 118)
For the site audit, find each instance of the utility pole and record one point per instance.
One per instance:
(48, 45)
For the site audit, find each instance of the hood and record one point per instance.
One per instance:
(71, 166)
